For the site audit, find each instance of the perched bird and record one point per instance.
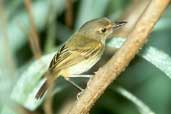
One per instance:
(82, 50)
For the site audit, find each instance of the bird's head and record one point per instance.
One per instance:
(100, 28)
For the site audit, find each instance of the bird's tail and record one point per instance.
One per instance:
(49, 79)
(42, 90)
(44, 87)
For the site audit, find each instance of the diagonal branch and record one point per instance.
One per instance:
(117, 64)
(33, 36)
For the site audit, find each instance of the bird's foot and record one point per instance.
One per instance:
(80, 93)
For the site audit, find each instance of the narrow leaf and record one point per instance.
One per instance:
(143, 108)
(156, 57)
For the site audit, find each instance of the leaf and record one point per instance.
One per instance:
(158, 58)
(116, 42)
(163, 24)
(25, 89)
(8, 110)
(143, 108)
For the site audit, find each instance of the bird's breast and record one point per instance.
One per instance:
(85, 65)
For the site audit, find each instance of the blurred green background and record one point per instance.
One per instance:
(30, 31)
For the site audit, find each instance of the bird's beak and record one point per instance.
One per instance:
(118, 24)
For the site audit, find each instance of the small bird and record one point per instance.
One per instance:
(80, 52)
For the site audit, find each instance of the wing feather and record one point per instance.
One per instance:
(74, 52)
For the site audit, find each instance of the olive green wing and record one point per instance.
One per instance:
(73, 52)
(64, 58)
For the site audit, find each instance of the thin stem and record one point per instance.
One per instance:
(7, 55)
(33, 37)
(69, 13)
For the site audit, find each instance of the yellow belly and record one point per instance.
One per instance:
(83, 66)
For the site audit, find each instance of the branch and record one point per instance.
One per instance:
(34, 38)
(117, 64)
(69, 13)
(7, 57)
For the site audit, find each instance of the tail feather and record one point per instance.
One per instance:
(46, 84)
(42, 90)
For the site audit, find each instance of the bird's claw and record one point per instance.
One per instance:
(79, 94)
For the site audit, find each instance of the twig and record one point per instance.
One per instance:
(117, 64)
(33, 37)
(69, 13)
(48, 105)
(7, 52)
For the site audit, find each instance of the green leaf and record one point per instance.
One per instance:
(156, 57)
(143, 108)
(25, 89)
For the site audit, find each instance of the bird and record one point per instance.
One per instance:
(80, 52)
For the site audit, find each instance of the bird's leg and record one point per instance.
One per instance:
(74, 84)
(77, 86)
(81, 75)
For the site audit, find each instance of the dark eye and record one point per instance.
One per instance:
(103, 30)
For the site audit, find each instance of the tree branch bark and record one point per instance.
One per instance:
(117, 64)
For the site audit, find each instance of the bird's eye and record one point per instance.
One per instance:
(103, 30)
